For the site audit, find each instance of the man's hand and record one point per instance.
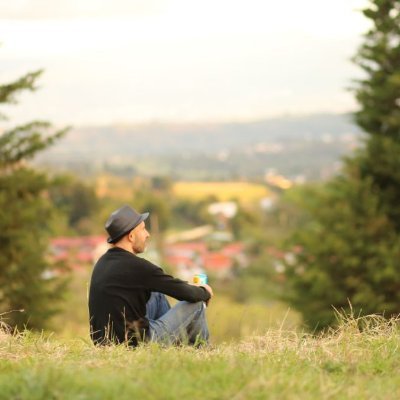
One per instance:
(205, 286)
(208, 288)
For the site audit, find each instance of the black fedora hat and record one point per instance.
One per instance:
(122, 221)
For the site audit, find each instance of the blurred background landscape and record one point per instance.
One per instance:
(242, 127)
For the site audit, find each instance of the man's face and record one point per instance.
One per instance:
(138, 238)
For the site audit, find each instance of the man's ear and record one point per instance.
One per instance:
(131, 236)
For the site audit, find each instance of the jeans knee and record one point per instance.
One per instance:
(193, 307)
(199, 306)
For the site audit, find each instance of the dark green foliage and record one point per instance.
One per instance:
(189, 213)
(351, 247)
(244, 221)
(161, 183)
(158, 207)
(9, 91)
(349, 253)
(77, 200)
(27, 282)
(23, 142)
(379, 97)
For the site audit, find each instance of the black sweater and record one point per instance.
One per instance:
(120, 287)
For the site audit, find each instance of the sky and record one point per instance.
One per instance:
(130, 61)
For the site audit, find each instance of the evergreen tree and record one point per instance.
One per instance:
(28, 286)
(379, 97)
(351, 247)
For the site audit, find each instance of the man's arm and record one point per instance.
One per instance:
(205, 286)
(159, 281)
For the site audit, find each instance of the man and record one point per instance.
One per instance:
(126, 297)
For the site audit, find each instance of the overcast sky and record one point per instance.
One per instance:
(123, 61)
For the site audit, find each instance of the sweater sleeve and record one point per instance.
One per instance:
(159, 281)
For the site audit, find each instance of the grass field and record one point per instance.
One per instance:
(346, 364)
(242, 191)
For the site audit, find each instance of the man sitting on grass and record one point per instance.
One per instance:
(127, 300)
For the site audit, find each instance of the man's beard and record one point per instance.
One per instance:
(138, 250)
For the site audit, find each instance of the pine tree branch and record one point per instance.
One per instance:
(24, 141)
(9, 91)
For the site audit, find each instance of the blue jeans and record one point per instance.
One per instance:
(183, 323)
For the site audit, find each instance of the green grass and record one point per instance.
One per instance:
(349, 363)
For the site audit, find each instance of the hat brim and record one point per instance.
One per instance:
(142, 218)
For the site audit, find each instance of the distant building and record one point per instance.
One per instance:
(78, 252)
(267, 203)
(223, 212)
(218, 264)
(228, 209)
(191, 258)
(198, 233)
(186, 258)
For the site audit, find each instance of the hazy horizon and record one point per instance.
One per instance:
(129, 62)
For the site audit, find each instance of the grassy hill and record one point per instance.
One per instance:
(258, 352)
(349, 363)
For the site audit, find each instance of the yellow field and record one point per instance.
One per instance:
(243, 191)
(123, 189)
